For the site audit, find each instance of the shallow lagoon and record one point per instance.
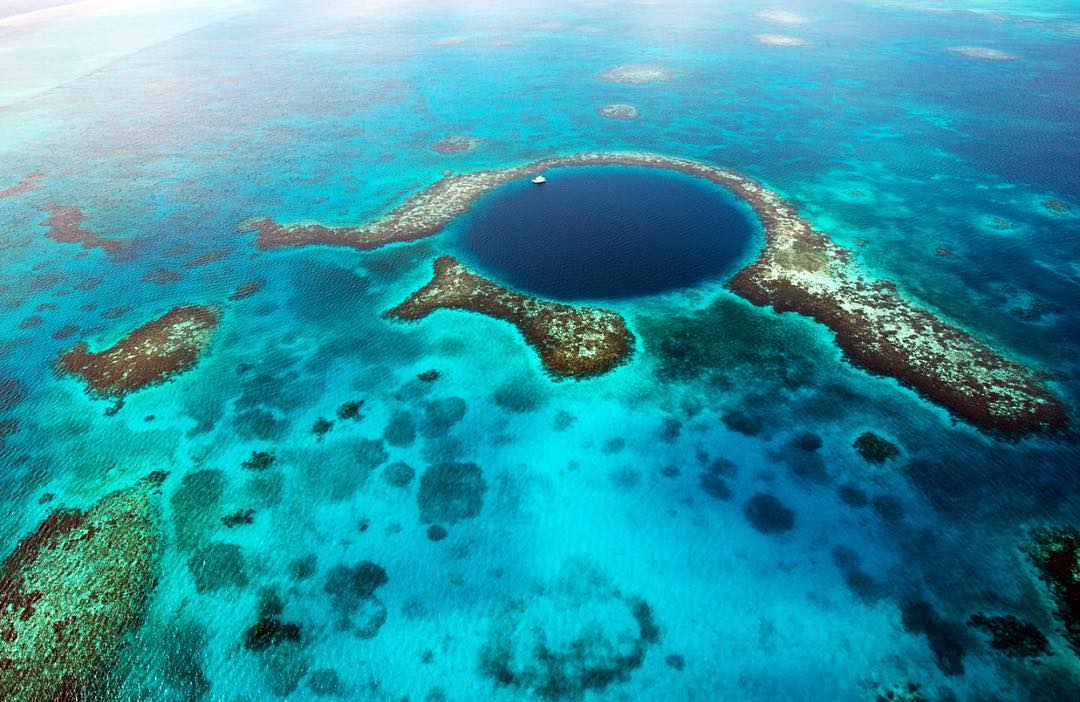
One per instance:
(563, 505)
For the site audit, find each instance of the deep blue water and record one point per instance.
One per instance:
(610, 232)
(712, 477)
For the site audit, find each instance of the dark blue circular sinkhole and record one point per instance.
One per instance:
(606, 232)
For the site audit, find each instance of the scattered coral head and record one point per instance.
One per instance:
(580, 634)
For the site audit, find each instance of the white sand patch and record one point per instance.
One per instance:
(785, 17)
(780, 40)
(981, 52)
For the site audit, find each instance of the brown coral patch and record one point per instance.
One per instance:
(208, 258)
(65, 227)
(162, 276)
(799, 270)
(151, 354)
(65, 332)
(247, 289)
(571, 341)
(70, 592)
(456, 144)
(26, 183)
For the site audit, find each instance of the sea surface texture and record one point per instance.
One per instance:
(245, 460)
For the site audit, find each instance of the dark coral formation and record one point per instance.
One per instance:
(946, 639)
(270, 630)
(350, 410)
(151, 354)
(853, 495)
(799, 270)
(571, 341)
(768, 515)
(71, 591)
(888, 508)
(353, 593)
(450, 493)
(324, 682)
(8, 427)
(162, 276)
(599, 637)
(320, 428)
(400, 429)
(441, 415)
(240, 517)
(25, 184)
(1056, 554)
(456, 144)
(207, 258)
(218, 565)
(861, 583)
(259, 461)
(398, 474)
(65, 227)
(246, 290)
(711, 480)
(194, 505)
(12, 393)
(874, 448)
(905, 692)
(1014, 637)
(279, 645)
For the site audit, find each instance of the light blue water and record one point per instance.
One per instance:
(595, 495)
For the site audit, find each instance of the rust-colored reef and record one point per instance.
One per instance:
(800, 270)
(247, 289)
(572, 341)
(25, 184)
(65, 227)
(72, 590)
(207, 258)
(151, 354)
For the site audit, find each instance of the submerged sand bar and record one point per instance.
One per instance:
(799, 269)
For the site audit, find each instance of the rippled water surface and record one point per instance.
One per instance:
(359, 508)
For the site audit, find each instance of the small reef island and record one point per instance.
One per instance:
(151, 354)
(799, 269)
(572, 341)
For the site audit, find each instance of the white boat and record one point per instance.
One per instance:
(539, 179)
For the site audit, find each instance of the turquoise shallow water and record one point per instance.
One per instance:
(603, 538)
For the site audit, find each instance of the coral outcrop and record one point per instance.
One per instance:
(571, 341)
(70, 592)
